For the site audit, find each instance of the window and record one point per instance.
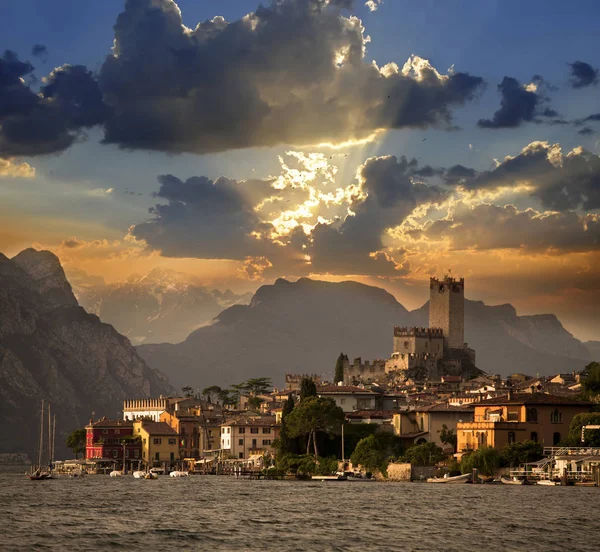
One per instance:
(228, 430)
(157, 456)
(222, 430)
(127, 453)
(240, 454)
(136, 453)
(555, 416)
(555, 439)
(172, 457)
(253, 430)
(117, 432)
(531, 415)
(172, 441)
(242, 430)
(511, 437)
(241, 442)
(534, 436)
(513, 416)
(266, 430)
(157, 441)
(342, 401)
(115, 453)
(253, 443)
(144, 441)
(406, 344)
(105, 431)
(266, 441)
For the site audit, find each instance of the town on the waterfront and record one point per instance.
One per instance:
(426, 413)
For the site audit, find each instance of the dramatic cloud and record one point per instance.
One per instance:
(373, 5)
(486, 226)
(48, 122)
(293, 72)
(39, 50)
(519, 104)
(583, 74)
(16, 170)
(560, 182)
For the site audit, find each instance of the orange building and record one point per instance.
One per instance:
(515, 418)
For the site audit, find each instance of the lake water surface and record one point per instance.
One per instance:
(222, 513)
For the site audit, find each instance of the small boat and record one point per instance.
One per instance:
(456, 479)
(329, 478)
(151, 475)
(585, 484)
(513, 481)
(547, 482)
(116, 473)
(177, 473)
(139, 474)
(157, 471)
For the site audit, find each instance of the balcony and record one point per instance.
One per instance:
(487, 425)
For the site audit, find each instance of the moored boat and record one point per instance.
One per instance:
(547, 482)
(139, 474)
(513, 481)
(177, 473)
(456, 479)
(116, 473)
(329, 478)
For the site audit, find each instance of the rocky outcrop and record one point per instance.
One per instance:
(52, 349)
(303, 327)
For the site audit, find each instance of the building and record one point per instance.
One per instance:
(138, 409)
(189, 429)
(363, 372)
(447, 310)
(514, 418)
(249, 437)
(109, 441)
(292, 381)
(160, 443)
(350, 398)
(425, 423)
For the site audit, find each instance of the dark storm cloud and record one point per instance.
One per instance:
(583, 74)
(203, 218)
(39, 50)
(393, 193)
(586, 131)
(560, 182)
(48, 122)
(519, 104)
(292, 72)
(486, 226)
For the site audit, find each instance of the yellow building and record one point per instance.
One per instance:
(249, 437)
(160, 443)
(515, 418)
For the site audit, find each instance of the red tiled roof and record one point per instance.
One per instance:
(330, 389)
(442, 407)
(158, 428)
(371, 414)
(267, 421)
(111, 423)
(532, 398)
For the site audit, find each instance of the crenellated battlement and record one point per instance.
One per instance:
(447, 283)
(418, 331)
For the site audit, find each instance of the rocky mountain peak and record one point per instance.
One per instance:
(47, 276)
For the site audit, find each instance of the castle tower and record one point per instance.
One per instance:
(447, 309)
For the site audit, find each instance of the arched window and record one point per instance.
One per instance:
(555, 416)
(531, 415)
(534, 436)
(511, 437)
(556, 438)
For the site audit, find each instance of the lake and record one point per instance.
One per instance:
(222, 513)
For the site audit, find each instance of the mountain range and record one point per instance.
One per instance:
(160, 306)
(52, 349)
(303, 326)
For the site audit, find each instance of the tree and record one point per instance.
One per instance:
(427, 454)
(447, 436)
(258, 386)
(312, 415)
(187, 391)
(285, 443)
(485, 459)
(375, 451)
(76, 441)
(590, 379)
(339, 368)
(211, 393)
(307, 388)
(521, 453)
(592, 437)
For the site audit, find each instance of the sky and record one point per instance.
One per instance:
(381, 141)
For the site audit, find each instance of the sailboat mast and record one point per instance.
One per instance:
(53, 436)
(343, 451)
(41, 447)
(49, 434)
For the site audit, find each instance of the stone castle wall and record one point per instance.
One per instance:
(363, 372)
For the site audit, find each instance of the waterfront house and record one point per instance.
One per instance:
(160, 444)
(519, 417)
(109, 441)
(249, 437)
(350, 398)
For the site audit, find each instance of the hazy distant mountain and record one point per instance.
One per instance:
(594, 349)
(160, 306)
(303, 326)
(51, 348)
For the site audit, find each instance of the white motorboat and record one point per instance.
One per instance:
(115, 473)
(139, 474)
(512, 481)
(547, 482)
(178, 474)
(329, 478)
(456, 479)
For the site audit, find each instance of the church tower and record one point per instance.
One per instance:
(447, 309)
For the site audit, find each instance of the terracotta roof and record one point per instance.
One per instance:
(158, 428)
(112, 423)
(330, 389)
(531, 398)
(371, 414)
(267, 421)
(442, 407)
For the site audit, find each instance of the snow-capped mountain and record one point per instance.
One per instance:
(161, 306)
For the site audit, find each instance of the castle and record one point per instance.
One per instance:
(426, 352)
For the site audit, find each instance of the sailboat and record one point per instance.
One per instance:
(39, 472)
